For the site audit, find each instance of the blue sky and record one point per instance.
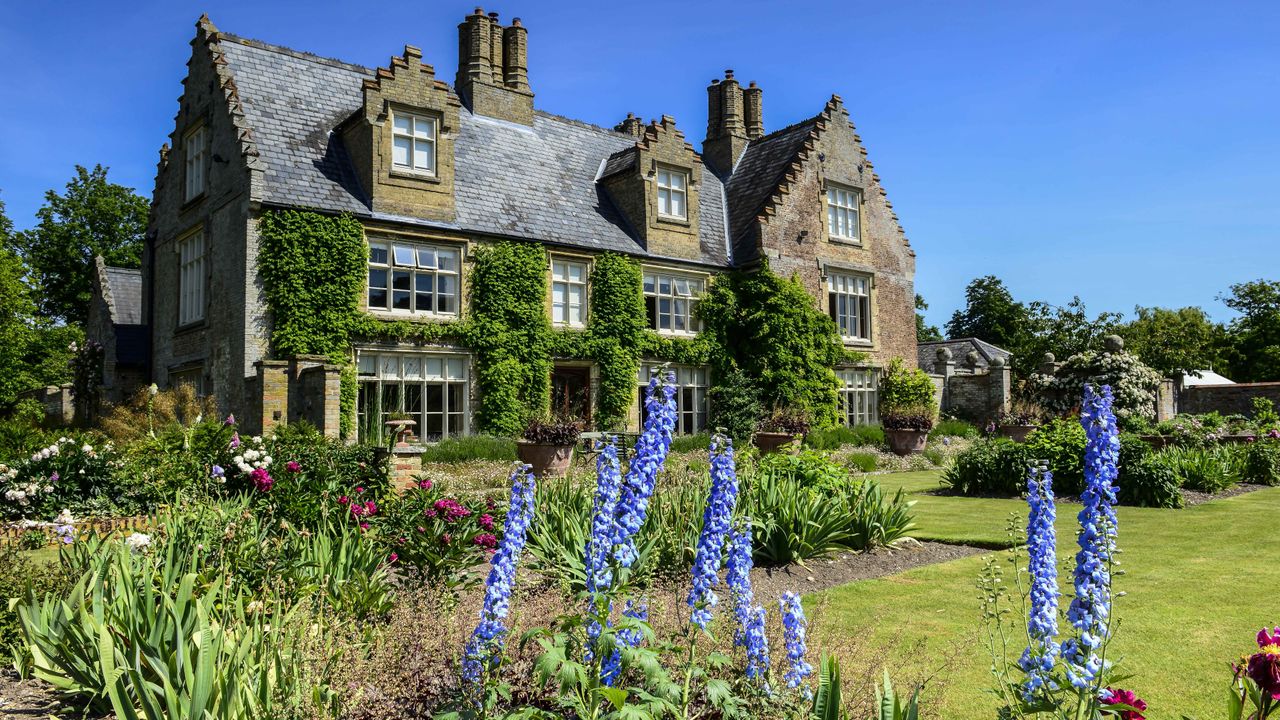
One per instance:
(1125, 152)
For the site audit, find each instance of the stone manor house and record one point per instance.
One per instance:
(433, 170)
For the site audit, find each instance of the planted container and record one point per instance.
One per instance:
(547, 446)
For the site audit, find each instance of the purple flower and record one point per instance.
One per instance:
(218, 472)
(717, 519)
(793, 630)
(235, 440)
(1038, 659)
(54, 477)
(292, 466)
(650, 454)
(231, 420)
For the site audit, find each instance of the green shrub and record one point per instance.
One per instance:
(77, 472)
(465, 448)
(20, 576)
(953, 427)
(1262, 462)
(1061, 444)
(876, 520)
(790, 524)
(438, 538)
(735, 405)
(838, 436)
(1149, 483)
(1208, 469)
(990, 467)
(811, 470)
(19, 437)
(700, 442)
(864, 461)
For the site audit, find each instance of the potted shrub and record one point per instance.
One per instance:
(547, 445)
(779, 429)
(1019, 420)
(907, 409)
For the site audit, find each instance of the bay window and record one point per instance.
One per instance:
(428, 388)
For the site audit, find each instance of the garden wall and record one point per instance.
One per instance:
(972, 393)
(1226, 399)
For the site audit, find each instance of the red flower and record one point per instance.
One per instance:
(344, 500)
(1264, 666)
(392, 557)
(486, 540)
(292, 466)
(1124, 697)
(446, 538)
(424, 484)
(261, 479)
(486, 521)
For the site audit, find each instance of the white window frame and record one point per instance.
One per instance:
(193, 278)
(692, 383)
(673, 189)
(849, 304)
(419, 134)
(680, 299)
(386, 380)
(425, 265)
(195, 150)
(859, 396)
(844, 213)
(569, 299)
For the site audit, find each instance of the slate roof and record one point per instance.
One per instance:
(535, 182)
(124, 295)
(926, 352)
(758, 173)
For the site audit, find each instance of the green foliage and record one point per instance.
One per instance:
(510, 335)
(1133, 383)
(954, 427)
(1254, 346)
(1262, 462)
(1204, 469)
(990, 314)
(906, 393)
(470, 447)
(1149, 483)
(735, 405)
(698, 442)
(93, 217)
(19, 577)
(769, 328)
(839, 436)
(990, 467)
(615, 331)
(1061, 443)
(440, 539)
(1173, 341)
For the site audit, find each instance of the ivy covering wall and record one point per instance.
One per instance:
(757, 325)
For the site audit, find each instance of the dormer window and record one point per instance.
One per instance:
(413, 143)
(195, 150)
(673, 193)
(843, 214)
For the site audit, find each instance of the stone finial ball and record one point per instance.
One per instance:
(1113, 343)
(997, 361)
(972, 358)
(943, 354)
(1048, 358)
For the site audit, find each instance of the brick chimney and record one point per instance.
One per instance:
(631, 125)
(733, 118)
(493, 66)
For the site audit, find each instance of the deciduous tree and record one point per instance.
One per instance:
(1254, 354)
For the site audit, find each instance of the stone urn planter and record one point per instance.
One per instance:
(545, 460)
(772, 442)
(403, 430)
(906, 442)
(1016, 433)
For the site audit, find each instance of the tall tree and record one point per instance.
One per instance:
(93, 217)
(924, 331)
(1174, 341)
(991, 314)
(1063, 330)
(1254, 354)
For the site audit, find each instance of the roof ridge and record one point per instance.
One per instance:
(299, 54)
(792, 126)
(584, 124)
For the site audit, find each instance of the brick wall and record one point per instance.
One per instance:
(1226, 399)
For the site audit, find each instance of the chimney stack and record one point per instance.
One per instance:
(733, 118)
(493, 65)
(631, 125)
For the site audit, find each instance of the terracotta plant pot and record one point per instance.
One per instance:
(546, 460)
(1016, 433)
(772, 442)
(906, 442)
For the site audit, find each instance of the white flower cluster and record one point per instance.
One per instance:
(23, 494)
(138, 542)
(55, 450)
(7, 473)
(253, 456)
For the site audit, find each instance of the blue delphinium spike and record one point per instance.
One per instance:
(1038, 659)
(642, 474)
(717, 518)
(793, 630)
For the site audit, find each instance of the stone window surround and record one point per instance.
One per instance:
(401, 177)
(414, 116)
(374, 237)
(586, 261)
(196, 129)
(684, 190)
(826, 269)
(445, 379)
(692, 384)
(651, 321)
(197, 318)
(856, 189)
(851, 387)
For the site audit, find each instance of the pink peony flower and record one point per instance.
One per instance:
(1264, 666)
(292, 466)
(261, 479)
(424, 484)
(392, 557)
(486, 540)
(1124, 697)
(486, 521)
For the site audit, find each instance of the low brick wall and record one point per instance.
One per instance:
(10, 532)
(1227, 399)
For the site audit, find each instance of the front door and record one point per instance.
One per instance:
(571, 393)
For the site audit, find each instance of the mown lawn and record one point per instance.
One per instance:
(1199, 584)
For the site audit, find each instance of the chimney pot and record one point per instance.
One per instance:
(515, 21)
(479, 11)
(728, 74)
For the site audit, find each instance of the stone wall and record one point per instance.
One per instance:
(795, 241)
(56, 399)
(1226, 399)
(306, 387)
(969, 392)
